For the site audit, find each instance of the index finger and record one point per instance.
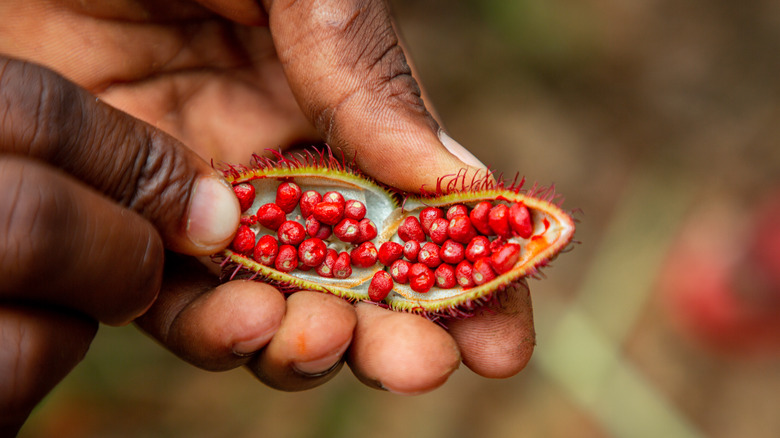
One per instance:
(46, 117)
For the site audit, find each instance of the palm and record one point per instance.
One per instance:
(214, 84)
(221, 102)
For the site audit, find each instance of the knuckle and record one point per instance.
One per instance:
(36, 110)
(158, 182)
(390, 75)
(395, 80)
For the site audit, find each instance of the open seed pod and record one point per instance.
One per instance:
(311, 222)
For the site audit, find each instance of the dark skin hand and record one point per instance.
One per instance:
(97, 103)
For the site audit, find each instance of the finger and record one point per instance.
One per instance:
(351, 78)
(401, 352)
(46, 117)
(308, 348)
(64, 244)
(215, 327)
(37, 349)
(498, 341)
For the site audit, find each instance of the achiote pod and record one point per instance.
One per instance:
(310, 221)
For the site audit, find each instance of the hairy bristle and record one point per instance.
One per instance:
(323, 158)
(479, 182)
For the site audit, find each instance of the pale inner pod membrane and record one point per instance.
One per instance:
(551, 230)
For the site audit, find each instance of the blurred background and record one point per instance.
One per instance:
(659, 119)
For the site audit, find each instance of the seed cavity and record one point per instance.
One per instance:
(458, 246)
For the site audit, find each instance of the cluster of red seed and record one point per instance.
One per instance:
(302, 244)
(461, 246)
(452, 248)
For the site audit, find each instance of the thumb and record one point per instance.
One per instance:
(350, 76)
(45, 117)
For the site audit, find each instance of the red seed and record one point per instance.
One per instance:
(324, 232)
(479, 217)
(399, 270)
(354, 209)
(325, 269)
(452, 252)
(461, 230)
(496, 244)
(428, 215)
(287, 196)
(410, 229)
(389, 252)
(244, 241)
(422, 280)
(498, 220)
(329, 213)
(380, 286)
(457, 210)
(416, 268)
(270, 216)
(445, 276)
(334, 197)
(245, 193)
(287, 259)
(312, 251)
(483, 272)
(364, 256)
(505, 258)
(312, 226)
(309, 199)
(520, 220)
(266, 250)
(291, 233)
(411, 250)
(476, 249)
(248, 220)
(343, 266)
(367, 230)
(347, 230)
(438, 230)
(464, 273)
(429, 255)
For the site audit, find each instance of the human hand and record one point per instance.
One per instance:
(218, 86)
(90, 197)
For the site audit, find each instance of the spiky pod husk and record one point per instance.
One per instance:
(553, 228)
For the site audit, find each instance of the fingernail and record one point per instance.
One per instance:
(214, 213)
(322, 366)
(252, 346)
(459, 151)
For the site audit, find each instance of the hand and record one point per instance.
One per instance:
(90, 197)
(210, 77)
